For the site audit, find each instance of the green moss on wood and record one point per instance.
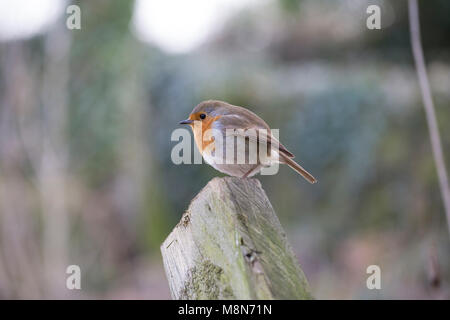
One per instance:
(242, 249)
(207, 281)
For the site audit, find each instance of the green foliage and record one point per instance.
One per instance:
(290, 6)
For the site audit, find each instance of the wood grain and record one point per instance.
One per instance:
(229, 244)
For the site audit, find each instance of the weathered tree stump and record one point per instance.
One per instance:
(229, 244)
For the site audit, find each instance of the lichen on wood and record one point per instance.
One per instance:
(229, 244)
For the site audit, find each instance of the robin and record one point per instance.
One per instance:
(228, 123)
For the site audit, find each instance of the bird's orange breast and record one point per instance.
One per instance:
(202, 137)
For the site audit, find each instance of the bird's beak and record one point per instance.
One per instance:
(187, 121)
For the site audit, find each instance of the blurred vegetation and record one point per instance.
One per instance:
(346, 102)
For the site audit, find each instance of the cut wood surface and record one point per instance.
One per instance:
(229, 244)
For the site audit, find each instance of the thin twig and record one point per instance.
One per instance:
(428, 105)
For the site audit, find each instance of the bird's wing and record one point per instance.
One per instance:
(264, 135)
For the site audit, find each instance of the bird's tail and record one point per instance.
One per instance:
(294, 165)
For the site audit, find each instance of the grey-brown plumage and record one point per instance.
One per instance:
(232, 123)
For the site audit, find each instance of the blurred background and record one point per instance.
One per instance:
(86, 117)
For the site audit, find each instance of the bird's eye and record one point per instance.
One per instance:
(202, 116)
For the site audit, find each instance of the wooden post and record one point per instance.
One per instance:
(229, 244)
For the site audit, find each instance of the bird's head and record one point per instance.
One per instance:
(206, 111)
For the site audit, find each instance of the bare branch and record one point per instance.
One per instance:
(428, 105)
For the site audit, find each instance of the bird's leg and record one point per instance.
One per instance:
(254, 169)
